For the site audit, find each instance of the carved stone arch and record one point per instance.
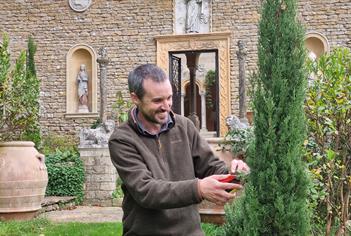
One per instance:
(219, 41)
(76, 56)
(317, 44)
(199, 84)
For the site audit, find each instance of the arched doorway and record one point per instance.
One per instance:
(200, 99)
(220, 42)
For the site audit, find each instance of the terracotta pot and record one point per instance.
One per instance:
(23, 180)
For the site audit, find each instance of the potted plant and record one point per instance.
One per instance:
(23, 175)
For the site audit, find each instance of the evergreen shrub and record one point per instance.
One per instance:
(328, 111)
(66, 174)
(274, 201)
(19, 95)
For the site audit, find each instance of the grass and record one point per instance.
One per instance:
(43, 227)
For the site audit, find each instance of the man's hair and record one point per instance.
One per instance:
(142, 72)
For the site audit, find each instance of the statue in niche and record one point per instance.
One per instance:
(82, 79)
(193, 15)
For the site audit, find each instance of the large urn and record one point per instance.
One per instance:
(23, 180)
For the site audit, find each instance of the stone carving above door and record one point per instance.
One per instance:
(192, 16)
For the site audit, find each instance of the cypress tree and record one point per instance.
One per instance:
(275, 197)
(32, 86)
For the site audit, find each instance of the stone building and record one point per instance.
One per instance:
(70, 33)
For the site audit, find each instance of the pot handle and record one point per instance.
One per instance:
(41, 158)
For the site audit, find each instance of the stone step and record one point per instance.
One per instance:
(208, 134)
(53, 203)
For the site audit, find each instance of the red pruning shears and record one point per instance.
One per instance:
(230, 179)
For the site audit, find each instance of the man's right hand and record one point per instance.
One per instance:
(211, 189)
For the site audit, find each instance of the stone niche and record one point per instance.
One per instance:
(77, 56)
(219, 41)
(316, 44)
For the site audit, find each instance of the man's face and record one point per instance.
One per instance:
(157, 101)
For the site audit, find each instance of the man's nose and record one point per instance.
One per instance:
(166, 105)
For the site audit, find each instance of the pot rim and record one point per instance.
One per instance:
(17, 144)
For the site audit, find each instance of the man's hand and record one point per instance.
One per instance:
(238, 166)
(211, 189)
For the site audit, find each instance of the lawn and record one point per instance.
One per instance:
(43, 227)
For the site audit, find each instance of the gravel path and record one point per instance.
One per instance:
(86, 214)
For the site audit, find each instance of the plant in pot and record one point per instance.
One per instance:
(23, 175)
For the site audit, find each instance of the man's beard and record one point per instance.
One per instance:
(152, 119)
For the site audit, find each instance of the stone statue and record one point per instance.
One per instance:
(193, 15)
(233, 123)
(82, 79)
(97, 137)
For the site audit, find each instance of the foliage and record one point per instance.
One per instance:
(238, 140)
(19, 94)
(96, 124)
(120, 108)
(210, 229)
(42, 226)
(66, 174)
(118, 192)
(210, 81)
(52, 142)
(32, 132)
(328, 109)
(275, 197)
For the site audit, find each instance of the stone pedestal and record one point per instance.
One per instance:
(83, 109)
(100, 176)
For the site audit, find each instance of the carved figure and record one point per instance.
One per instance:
(97, 137)
(233, 123)
(82, 79)
(193, 16)
(81, 3)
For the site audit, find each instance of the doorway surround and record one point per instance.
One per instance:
(195, 42)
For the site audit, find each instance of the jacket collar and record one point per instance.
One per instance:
(138, 126)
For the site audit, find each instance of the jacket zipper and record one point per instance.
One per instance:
(159, 144)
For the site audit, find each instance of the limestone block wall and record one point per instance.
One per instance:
(330, 18)
(128, 29)
(100, 176)
(125, 28)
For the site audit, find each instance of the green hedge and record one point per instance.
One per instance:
(66, 174)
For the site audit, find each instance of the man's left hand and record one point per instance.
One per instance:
(239, 166)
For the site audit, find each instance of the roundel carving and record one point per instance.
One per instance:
(79, 5)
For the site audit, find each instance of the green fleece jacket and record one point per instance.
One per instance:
(159, 177)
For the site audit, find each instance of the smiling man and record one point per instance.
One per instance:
(165, 166)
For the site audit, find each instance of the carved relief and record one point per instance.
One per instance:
(219, 41)
(192, 16)
(79, 5)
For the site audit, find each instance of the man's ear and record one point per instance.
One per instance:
(135, 98)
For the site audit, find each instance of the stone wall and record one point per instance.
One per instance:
(127, 29)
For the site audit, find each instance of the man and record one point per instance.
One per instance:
(165, 166)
